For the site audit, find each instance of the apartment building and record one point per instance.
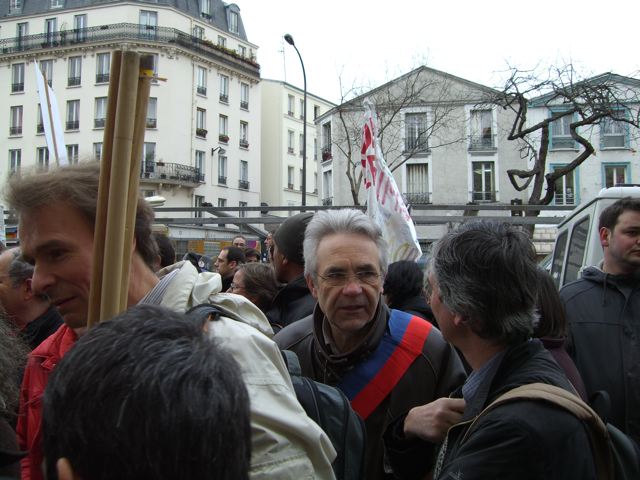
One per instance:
(443, 142)
(202, 143)
(283, 140)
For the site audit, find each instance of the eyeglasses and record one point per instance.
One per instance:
(235, 286)
(339, 279)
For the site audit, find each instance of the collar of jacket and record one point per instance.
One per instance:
(339, 363)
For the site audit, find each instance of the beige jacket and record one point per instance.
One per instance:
(286, 443)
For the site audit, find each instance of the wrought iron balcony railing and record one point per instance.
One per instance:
(244, 105)
(73, 124)
(73, 81)
(102, 78)
(327, 201)
(129, 32)
(15, 130)
(201, 132)
(483, 196)
(17, 87)
(244, 143)
(202, 90)
(40, 128)
(482, 142)
(416, 198)
(243, 184)
(152, 122)
(98, 122)
(224, 98)
(176, 173)
(222, 180)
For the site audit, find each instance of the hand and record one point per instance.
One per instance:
(431, 421)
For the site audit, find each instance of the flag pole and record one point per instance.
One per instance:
(50, 114)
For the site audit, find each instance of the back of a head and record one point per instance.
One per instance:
(486, 272)
(289, 237)
(404, 280)
(166, 250)
(552, 322)
(148, 395)
(235, 254)
(260, 280)
(76, 185)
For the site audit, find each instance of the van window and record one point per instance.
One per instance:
(558, 257)
(575, 254)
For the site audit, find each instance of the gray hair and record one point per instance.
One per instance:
(347, 221)
(19, 270)
(486, 272)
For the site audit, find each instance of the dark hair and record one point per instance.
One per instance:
(260, 281)
(609, 216)
(13, 356)
(77, 185)
(404, 279)
(148, 395)
(552, 322)
(235, 254)
(18, 270)
(165, 247)
(486, 272)
(251, 252)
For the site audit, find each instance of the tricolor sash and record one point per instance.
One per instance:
(369, 383)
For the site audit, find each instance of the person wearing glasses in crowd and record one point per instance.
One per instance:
(352, 339)
(256, 282)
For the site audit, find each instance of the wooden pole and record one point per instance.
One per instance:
(103, 193)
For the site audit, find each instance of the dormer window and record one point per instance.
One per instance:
(205, 9)
(233, 22)
(57, 3)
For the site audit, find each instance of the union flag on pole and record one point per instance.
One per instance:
(384, 202)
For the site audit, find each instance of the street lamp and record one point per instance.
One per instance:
(289, 39)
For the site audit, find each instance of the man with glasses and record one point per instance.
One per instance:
(385, 361)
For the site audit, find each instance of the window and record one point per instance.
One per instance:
(57, 3)
(201, 123)
(224, 88)
(316, 111)
(222, 41)
(327, 187)
(315, 149)
(301, 109)
(233, 22)
(198, 200)
(222, 202)
(205, 9)
(22, 30)
(483, 182)
(244, 96)
(614, 134)
(315, 182)
(199, 163)
(15, 120)
(75, 71)
(576, 250)
(103, 64)
(242, 212)
(100, 114)
(481, 130)
(244, 134)
(149, 156)
(242, 51)
(15, 160)
(46, 67)
(15, 6)
(615, 175)
(42, 158)
(198, 32)
(417, 183)
(79, 26)
(72, 153)
(50, 27)
(416, 132)
(40, 124)
(152, 113)
(290, 173)
(73, 114)
(17, 77)
(301, 172)
(564, 188)
(223, 128)
(290, 147)
(97, 150)
(222, 170)
(243, 183)
(201, 86)
(290, 105)
(560, 132)
(326, 141)
(301, 143)
(155, 66)
(558, 257)
(148, 24)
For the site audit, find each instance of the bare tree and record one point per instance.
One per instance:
(420, 89)
(603, 100)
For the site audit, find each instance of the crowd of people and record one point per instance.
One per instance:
(191, 382)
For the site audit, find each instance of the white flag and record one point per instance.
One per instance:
(51, 119)
(384, 203)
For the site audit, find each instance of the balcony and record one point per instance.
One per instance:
(202, 91)
(171, 173)
(244, 105)
(482, 143)
(222, 180)
(73, 81)
(102, 78)
(128, 32)
(73, 124)
(17, 87)
(224, 98)
(98, 122)
(483, 196)
(244, 143)
(416, 198)
(15, 130)
(152, 123)
(243, 184)
(201, 132)
(327, 201)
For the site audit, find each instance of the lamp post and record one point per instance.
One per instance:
(289, 39)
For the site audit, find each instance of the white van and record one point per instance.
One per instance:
(578, 241)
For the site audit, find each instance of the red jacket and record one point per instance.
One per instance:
(40, 364)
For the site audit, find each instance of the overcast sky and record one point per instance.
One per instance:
(368, 42)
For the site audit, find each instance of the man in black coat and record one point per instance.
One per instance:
(483, 281)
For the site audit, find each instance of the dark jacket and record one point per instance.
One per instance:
(557, 348)
(519, 440)
(416, 305)
(293, 302)
(433, 374)
(42, 327)
(604, 340)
